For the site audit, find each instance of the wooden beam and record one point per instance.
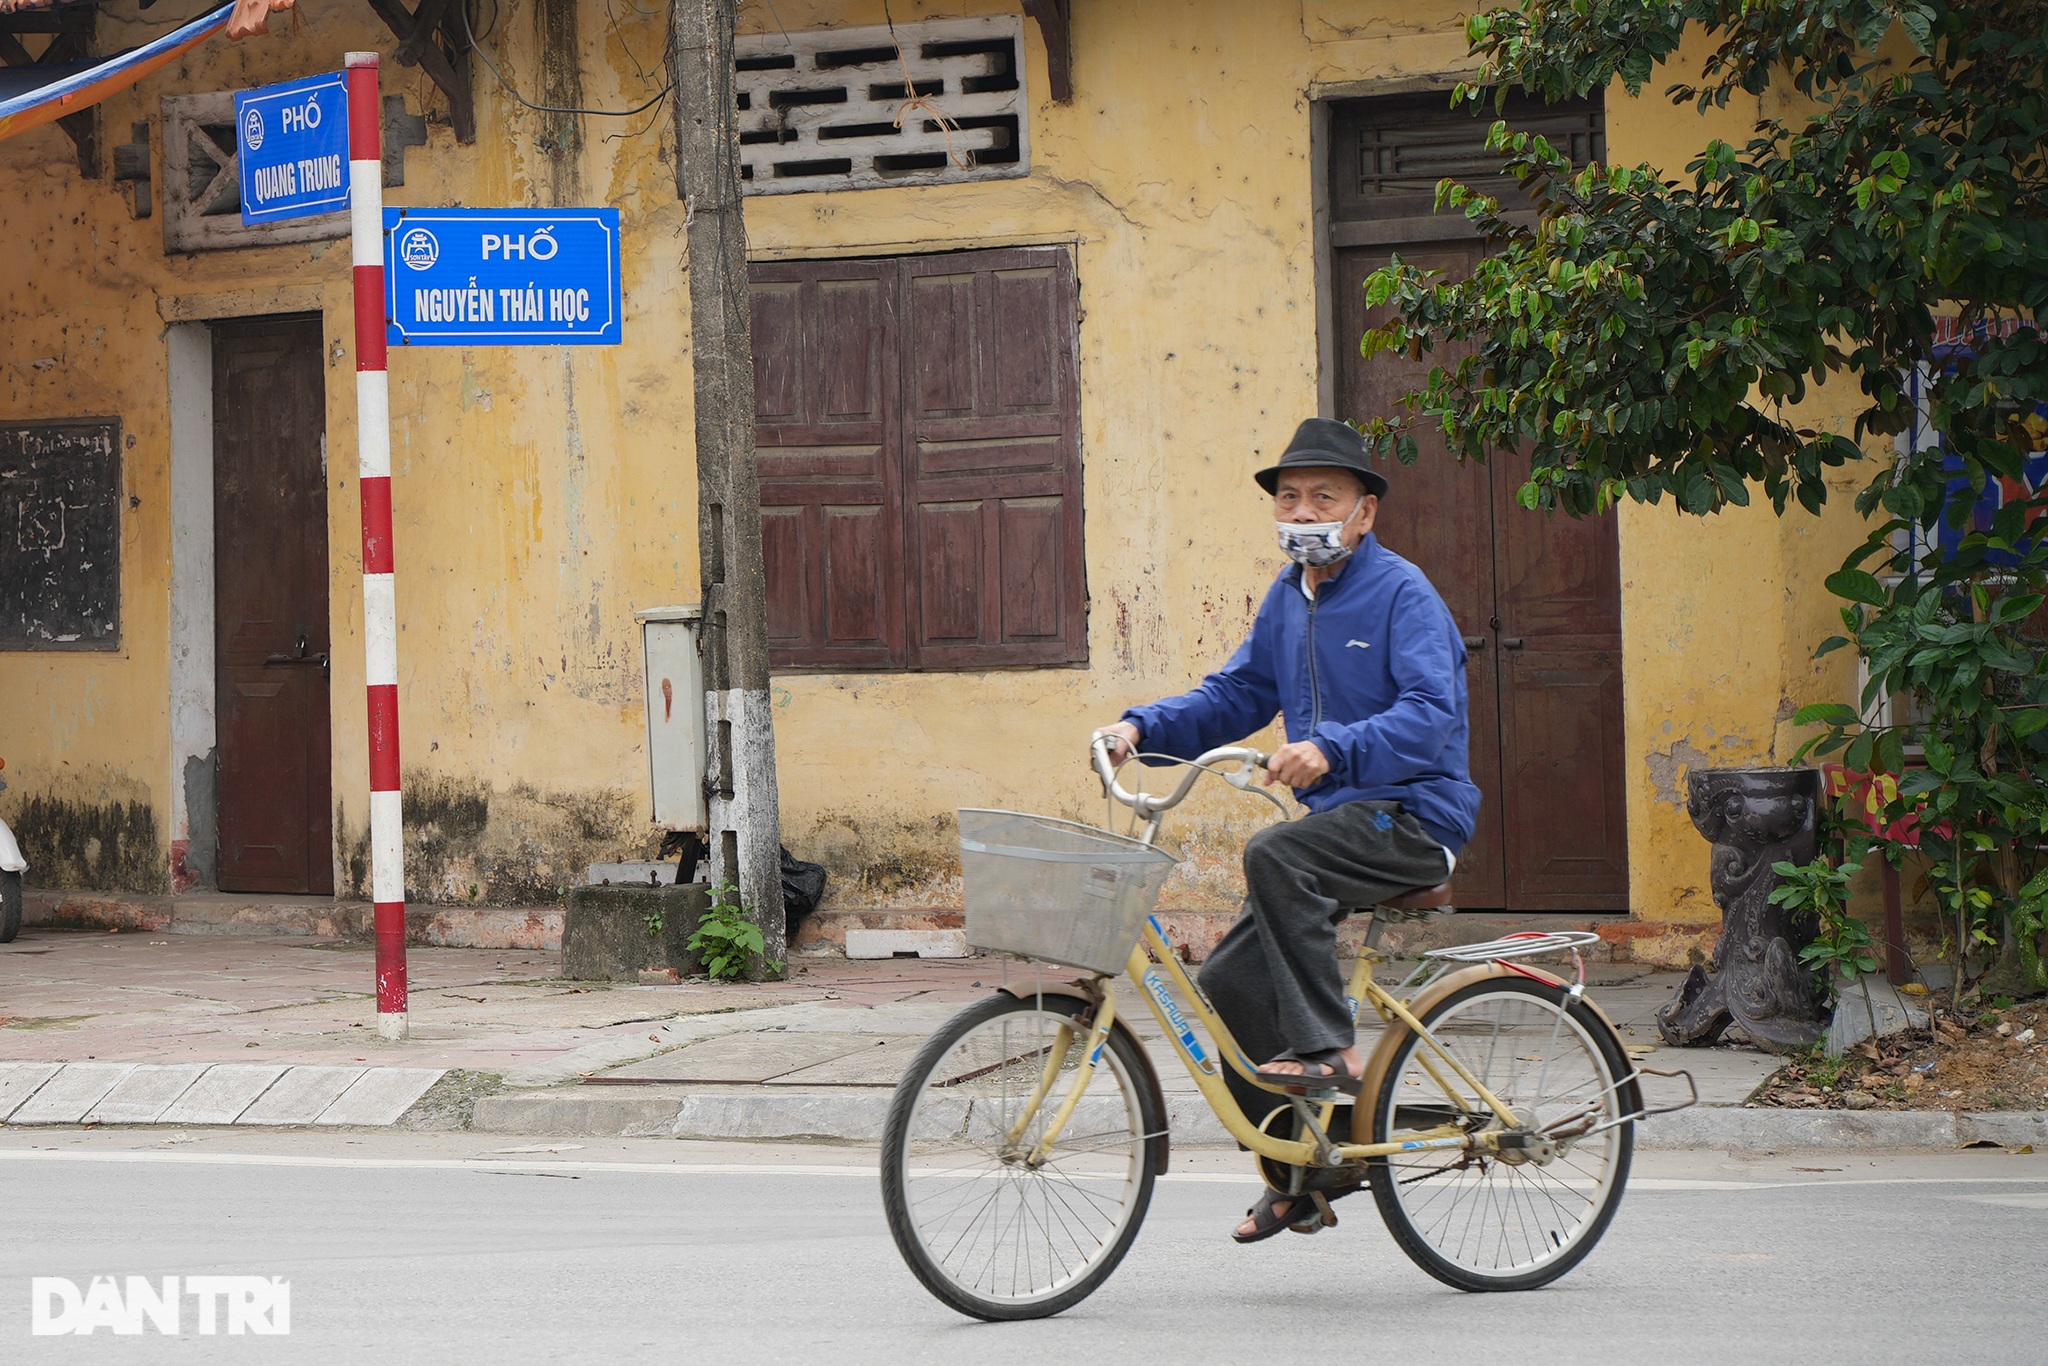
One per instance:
(1055, 24)
(72, 43)
(34, 21)
(416, 30)
(425, 19)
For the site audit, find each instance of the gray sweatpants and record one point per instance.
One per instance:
(1274, 978)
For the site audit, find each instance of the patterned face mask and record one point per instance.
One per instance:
(1317, 545)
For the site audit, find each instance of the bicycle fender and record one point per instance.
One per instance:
(1396, 1033)
(1554, 980)
(1162, 1143)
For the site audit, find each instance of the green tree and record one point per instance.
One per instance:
(1650, 338)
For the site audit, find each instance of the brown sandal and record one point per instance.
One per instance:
(1323, 1071)
(1305, 1214)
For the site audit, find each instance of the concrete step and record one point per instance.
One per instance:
(1196, 933)
(472, 927)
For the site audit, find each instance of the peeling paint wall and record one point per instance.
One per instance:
(95, 830)
(541, 496)
(466, 842)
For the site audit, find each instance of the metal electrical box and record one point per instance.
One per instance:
(675, 714)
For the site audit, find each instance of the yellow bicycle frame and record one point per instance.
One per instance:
(1148, 958)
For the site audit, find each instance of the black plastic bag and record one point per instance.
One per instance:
(803, 887)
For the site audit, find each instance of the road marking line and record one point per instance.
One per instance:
(145, 1157)
(1653, 1184)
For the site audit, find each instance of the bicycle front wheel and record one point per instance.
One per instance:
(988, 1231)
(1478, 1220)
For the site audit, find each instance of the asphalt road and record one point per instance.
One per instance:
(438, 1249)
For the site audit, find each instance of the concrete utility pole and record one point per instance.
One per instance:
(745, 821)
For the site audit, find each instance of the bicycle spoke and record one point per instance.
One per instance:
(989, 1224)
(1484, 1216)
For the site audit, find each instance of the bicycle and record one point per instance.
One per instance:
(1495, 1126)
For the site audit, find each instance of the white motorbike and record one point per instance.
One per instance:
(12, 866)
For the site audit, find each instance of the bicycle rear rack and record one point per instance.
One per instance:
(1528, 944)
(1525, 945)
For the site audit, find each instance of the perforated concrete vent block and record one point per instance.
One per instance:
(906, 943)
(859, 109)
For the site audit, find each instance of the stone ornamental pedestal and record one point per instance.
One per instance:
(1754, 817)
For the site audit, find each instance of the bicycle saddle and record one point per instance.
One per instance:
(1419, 904)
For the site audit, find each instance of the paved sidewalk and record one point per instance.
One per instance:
(120, 1028)
(148, 1029)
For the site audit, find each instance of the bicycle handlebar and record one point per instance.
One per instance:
(1149, 804)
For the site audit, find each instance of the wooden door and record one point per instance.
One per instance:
(1538, 600)
(270, 607)
(1438, 514)
(1557, 595)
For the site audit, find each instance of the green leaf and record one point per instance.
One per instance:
(2015, 606)
(1826, 713)
(2027, 722)
(1919, 27)
(1858, 585)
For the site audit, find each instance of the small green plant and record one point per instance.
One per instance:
(1841, 947)
(655, 923)
(1821, 1071)
(725, 937)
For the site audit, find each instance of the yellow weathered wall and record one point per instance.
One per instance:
(1184, 178)
(1720, 616)
(543, 495)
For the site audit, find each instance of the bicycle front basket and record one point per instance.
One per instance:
(1054, 890)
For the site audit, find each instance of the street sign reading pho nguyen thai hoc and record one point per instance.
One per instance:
(291, 144)
(501, 277)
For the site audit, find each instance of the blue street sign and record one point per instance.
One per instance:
(501, 277)
(292, 141)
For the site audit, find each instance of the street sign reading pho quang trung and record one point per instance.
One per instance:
(291, 144)
(501, 277)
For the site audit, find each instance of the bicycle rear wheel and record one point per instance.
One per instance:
(1478, 1221)
(987, 1232)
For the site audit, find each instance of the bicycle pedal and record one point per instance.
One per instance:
(1321, 1095)
(1325, 1217)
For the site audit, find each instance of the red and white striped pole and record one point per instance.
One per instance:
(380, 603)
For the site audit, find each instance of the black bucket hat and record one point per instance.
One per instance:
(1328, 444)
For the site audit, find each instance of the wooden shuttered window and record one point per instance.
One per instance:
(917, 421)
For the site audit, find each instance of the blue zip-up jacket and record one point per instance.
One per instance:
(1372, 670)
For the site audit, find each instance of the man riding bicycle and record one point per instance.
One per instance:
(1357, 652)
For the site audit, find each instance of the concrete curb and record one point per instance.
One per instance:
(1741, 1130)
(857, 1116)
(175, 1094)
